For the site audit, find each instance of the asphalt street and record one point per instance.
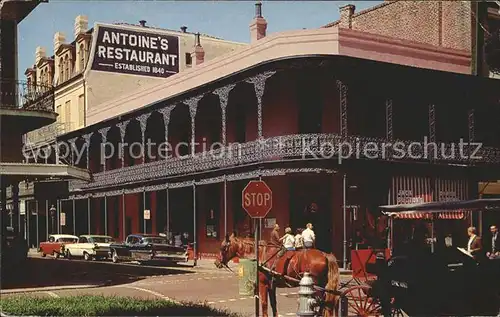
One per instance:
(205, 283)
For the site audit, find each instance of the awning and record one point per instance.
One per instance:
(448, 215)
(412, 191)
(447, 210)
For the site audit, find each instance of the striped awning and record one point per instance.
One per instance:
(419, 190)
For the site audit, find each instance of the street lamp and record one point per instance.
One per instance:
(53, 216)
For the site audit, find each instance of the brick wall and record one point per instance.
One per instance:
(442, 23)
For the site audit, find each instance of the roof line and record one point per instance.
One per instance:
(376, 7)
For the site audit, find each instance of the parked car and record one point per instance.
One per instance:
(90, 247)
(56, 244)
(146, 248)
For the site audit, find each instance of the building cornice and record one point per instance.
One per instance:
(69, 84)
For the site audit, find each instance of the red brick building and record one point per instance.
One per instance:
(448, 24)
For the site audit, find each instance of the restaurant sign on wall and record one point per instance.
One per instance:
(129, 51)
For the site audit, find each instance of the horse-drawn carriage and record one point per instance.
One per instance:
(415, 282)
(418, 282)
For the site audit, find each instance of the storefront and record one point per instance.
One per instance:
(417, 190)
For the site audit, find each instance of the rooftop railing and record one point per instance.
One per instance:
(18, 94)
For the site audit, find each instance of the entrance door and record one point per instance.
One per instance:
(310, 202)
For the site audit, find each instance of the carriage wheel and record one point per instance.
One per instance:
(358, 303)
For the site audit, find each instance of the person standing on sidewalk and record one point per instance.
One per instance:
(309, 236)
(275, 236)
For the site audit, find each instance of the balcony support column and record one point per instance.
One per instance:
(259, 85)
(87, 137)
(143, 122)
(165, 112)
(74, 216)
(88, 214)
(193, 106)
(343, 108)
(123, 129)
(15, 207)
(72, 144)
(104, 136)
(223, 94)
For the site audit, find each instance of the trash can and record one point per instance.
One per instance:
(247, 269)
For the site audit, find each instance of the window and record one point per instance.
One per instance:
(67, 113)
(189, 61)
(102, 239)
(61, 71)
(58, 111)
(81, 111)
(66, 65)
(82, 57)
(82, 240)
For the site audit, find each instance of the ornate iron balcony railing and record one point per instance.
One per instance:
(17, 94)
(286, 148)
(47, 134)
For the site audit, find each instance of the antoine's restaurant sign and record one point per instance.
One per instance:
(128, 51)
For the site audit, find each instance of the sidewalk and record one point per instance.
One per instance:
(208, 264)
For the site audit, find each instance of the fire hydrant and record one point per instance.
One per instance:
(306, 296)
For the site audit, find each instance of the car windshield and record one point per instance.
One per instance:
(66, 240)
(102, 239)
(157, 240)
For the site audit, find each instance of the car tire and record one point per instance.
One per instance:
(56, 255)
(44, 255)
(86, 256)
(114, 257)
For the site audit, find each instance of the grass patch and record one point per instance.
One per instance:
(89, 305)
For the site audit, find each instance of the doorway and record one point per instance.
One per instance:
(310, 201)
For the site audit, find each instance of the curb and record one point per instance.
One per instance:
(50, 288)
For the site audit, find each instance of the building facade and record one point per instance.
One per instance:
(449, 24)
(286, 108)
(235, 118)
(80, 87)
(24, 107)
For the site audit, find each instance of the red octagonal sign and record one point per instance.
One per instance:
(257, 199)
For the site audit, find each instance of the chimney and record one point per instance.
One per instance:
(39, 54)
(81, 24)
(184, 29)
(346, 13)
(59, 38)
(259, 24)
(142, 23)
(198, 55)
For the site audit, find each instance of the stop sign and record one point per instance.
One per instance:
(257, 199)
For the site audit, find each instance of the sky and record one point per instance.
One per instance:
(225, 19)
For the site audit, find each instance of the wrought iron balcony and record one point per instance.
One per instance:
(17, 94)
(47, 134)
(286, 148)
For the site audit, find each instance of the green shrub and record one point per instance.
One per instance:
(87, 305)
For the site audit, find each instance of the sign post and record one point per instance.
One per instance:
(257, 200)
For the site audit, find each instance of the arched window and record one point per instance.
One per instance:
(67, 62)
(82, 57)
(61, 70)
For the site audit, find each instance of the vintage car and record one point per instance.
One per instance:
(147, 248)
(90, 247)
(56, 244)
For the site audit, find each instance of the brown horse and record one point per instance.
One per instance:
(322, 268)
